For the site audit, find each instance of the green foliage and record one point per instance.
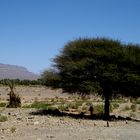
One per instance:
(2, 104)
(13, 129)
(63, 107)
(51, 78)
(3, 118)
(73, 105)
(115, 105)
(98, 109)
(21, 82)
(97, 65)
(38, 105)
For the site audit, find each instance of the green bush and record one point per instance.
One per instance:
(73, 105)
(63, 107)
(14, 101)
(2, 104)
(13, 129)
(3, 118)
(98, 109)
(115, 105)
(38, 105)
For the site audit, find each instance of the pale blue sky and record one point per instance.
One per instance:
(33, 31)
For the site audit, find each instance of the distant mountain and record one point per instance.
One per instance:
(16, 72)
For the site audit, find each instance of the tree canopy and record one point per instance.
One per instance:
(100, 65)
(85, 64)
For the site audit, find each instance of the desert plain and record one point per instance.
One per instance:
(26, 124)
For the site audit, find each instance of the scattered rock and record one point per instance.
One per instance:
(30, 118)
(19, 118)
(3, 130)
(95, 124)
(126, 122)
(50, 137)
(15, 114)
(2, 137)
(36, 123)
(27, 124)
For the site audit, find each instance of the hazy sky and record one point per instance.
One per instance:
(32, 32)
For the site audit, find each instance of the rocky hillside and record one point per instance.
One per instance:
(16, 72)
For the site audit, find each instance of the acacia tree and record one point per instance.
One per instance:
(102, 65)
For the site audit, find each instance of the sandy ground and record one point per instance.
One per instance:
(30, 94)
(34, 127)
(21, 125)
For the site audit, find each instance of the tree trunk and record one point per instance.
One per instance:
(106, 107)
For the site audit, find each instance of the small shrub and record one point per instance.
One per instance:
(26, 106)
(84, 108)
(119, 101)
(2, 104)
(14, 99)
(3, 118)
(52, 100)
(63, 107)
(13, 129)
(73, 106)
(52, 108)
(115, 105)
(38, 105)
(133, 107)
(98, 109)
(137, 101)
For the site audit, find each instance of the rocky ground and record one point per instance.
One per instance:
(21, 124)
